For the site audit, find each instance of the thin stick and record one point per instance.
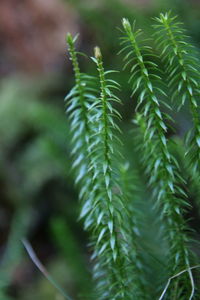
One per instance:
(176, 275)
(42, 269)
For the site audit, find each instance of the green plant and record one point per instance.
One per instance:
(108, 188)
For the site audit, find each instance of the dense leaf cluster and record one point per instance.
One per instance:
(107, 187)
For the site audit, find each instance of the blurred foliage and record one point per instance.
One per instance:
(33, 165)
(36, 185)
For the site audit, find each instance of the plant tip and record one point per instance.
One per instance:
(126, 23)
(97, 52)
(68, 37)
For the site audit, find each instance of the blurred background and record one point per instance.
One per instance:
(37, 196)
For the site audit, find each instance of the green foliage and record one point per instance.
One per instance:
(102, 218)
(108, 188)
(163, 169)
(182, 69)
(32, 160)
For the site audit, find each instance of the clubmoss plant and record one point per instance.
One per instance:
(107, 187)
(182, 68)
(96, 135)
(163, 169)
